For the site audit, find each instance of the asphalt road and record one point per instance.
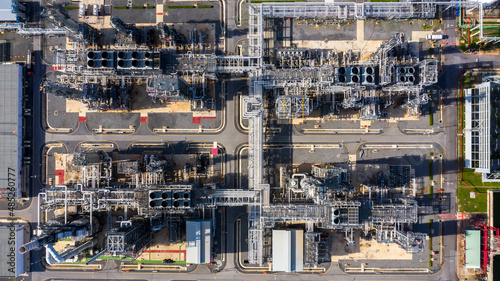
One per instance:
(230, 137)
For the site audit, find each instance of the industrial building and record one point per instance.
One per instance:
(288, 250)
(478, 113)
(12, 127)
(13, 262)
(199, 241)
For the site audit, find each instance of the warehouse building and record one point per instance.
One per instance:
(198, 241)
(11, 126)
(288, 250)
(11, 261)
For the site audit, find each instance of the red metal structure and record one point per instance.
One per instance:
(485, 229)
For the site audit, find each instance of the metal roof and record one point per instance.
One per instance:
(10, 123)
(288, 250)
(6, 13)
(5, 249)
(472, 249)
(199, 241)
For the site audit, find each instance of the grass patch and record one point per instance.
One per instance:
(180, 7)
(431, 116)
(114, 258)
(472, 205)
(204, 6)
(280, 1)
(138, 7)
(149, 262)
(120, 7)
(475, 179)
(430, 170)
(71, 7)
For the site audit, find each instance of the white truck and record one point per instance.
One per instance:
(435, 37)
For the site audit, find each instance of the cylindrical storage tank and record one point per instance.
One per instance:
(165, 195)
(355, 70)
(91, 55)
(341, 70)
(186, 203)
(166, 203)
(369, 70)
(336, 212)
(91, 63)
(122, 55)
(355, 79)
(411, 79)
(105, 55)
(186, 195)
(176, 195)
(152, 195)
(148, 63)
(410, 70)
(176, 203)
(342, 79)
(152, 204)
(122, 63)
(402, 70)
(105, 63)
(336, 221)
(135, 55)
(369, 79)
(135, 63)
(402, 78)
(148, 55)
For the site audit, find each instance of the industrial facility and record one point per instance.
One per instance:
(292, 137)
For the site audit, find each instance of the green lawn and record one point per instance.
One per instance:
(475, 180)
(467, 204)
(157, 262)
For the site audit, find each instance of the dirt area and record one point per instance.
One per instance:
(366, 250)
(465, 221)
(65, 172)
(161, 249)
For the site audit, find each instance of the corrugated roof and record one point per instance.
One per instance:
(10, 122)
(6, 13)
(472, 249)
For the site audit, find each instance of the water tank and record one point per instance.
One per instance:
(186, 195)
(91, 55)
(135, 55)
(402, 70)
(342, 79)
(410, 70)
(91, 63)
(148, 55)
(177, 203)
(105, 55)
(402, 79)
(355, 70)
(336, 221)
(148, 63)
(336, 212)
(136, 63)
(369, 79)
(369, 70)
(152, 195)
(186, 203)
(355, 78)
(411, 79)
(166, 203)
(341, 70)
(152, 204)
(122, 55)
